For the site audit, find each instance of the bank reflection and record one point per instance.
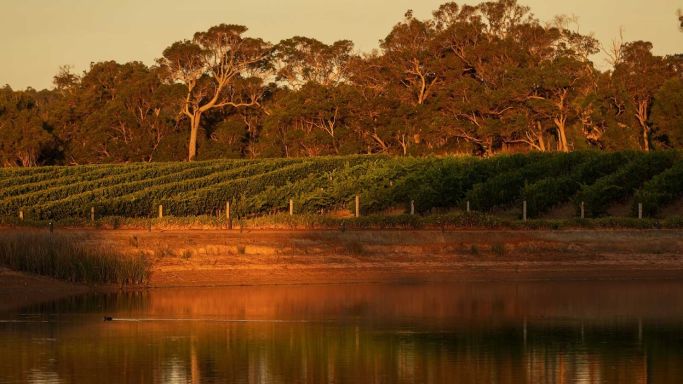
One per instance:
(469, 333)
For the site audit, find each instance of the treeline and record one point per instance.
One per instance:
(477, 79)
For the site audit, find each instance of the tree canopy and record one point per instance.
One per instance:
(471, 79)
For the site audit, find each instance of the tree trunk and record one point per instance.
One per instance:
(642, 119)
(561, 123)
(404, 144)
(194, 128)
(541, 140)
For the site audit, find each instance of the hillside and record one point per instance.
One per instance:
(386, 185)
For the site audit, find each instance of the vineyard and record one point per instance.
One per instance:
(499, 185)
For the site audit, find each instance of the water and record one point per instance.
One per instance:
(571, 332)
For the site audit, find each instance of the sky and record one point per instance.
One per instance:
(39, 36)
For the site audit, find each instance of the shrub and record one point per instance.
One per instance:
(546, 193)
(661, 190)
(507, 188)
(623, 183)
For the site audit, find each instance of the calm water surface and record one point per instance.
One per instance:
(601, 332)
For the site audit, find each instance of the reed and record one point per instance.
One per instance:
(67, 257)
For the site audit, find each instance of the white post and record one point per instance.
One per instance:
(412, 207)
(291, 207)
(21, 215)
(583, 210)
(161, 211)
(357, 205)
(468, 206)
(92, 214)
(228, 214)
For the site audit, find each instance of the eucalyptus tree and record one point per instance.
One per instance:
(409, 59)
(637, 77)
(115, 113)
(302, 60)
(211, 66)
(25, 136)
(666, 113)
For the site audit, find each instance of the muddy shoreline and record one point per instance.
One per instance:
(206, 258)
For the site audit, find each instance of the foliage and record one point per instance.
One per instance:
(322, 185)
(661, 190)
(477, 79)
(66, 257)
(507, 188)
(549, 192)
(624, 182)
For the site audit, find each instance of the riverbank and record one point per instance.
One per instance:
(19, 289)
(260, 257)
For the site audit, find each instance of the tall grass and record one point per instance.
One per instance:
(66, 257)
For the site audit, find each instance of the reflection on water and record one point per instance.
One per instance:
(600, 332)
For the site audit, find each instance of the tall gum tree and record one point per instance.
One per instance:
(302, 60)
(410, 59)
(209, 66)
(637, 77)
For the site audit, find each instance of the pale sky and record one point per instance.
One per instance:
(38, 36)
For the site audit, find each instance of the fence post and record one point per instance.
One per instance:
(21, 215)
(583, 210)
(92, 214)
(412, 207)
(228, 214)
(468, 206)
(357, 205)
(291, 207)
(524, 211)
(161, 211)
(640, 211)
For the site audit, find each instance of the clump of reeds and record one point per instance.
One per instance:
(67, 257)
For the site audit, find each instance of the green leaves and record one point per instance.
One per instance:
(327, 184)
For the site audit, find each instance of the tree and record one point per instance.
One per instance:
(666, 113)
(409, 59)
(209, 66)
(24, 134)
(558, 85)
(637, 78)
(301, 60)
(116, 113)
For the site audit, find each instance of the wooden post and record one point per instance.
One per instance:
(92, 214)
(21, 215)
(524, 211)
(583, 210)
(228, 214)
(357, 205)
(468, 206)
(161, 211)
(412, 207)
(640, 211)
(291, 207)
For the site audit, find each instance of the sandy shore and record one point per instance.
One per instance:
(218, 258)
(211, 258)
